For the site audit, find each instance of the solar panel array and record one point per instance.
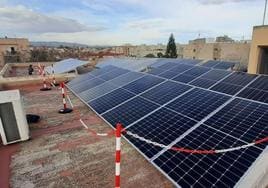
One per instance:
(225, 65)
(205, 109)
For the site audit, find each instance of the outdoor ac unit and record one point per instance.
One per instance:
(13, 123)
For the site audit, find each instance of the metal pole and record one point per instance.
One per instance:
(118, 155)
(264, 14)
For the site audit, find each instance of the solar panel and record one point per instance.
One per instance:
(130, 111)
(245, 120)
(113, 74)
(98, 72)
(198, 103)
(165, 92)
(65, 66)
(210, 63)
(168, 65)
(143, 84)
(233, 83)
(191, 74)
(181, 68)
(80, 78)
(156, 71)
(258, 90)
(162, 126)
(87, 85)
(175, 71)
(209, 78)
(218, 170)
(97, 91)
(224, 65)
(179, 115)
(110, 100)
(126, 78)
(168, 74)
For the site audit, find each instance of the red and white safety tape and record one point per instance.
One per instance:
(196, 151)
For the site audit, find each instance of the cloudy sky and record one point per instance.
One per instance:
(116, 22)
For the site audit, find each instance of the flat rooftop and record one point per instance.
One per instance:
(62, 153)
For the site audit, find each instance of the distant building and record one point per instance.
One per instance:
(223, 48)
(13, 50)
(229, 51)
(224, 38)
(258, 60)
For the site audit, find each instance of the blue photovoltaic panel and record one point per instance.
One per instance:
(217, 170)
(191, 74)
(191, 61)
(224, 65)
(106, 69)
(143, 84)
(168, 65)
(80, 78)
(156, 71)
(216, 74)
(258, 90)
(202, 82)
(165, 92)
(233, 83)
(245, 120)
(126, 78)
(130, 111)
(210, 78)
(184, 78)
(113, 74)
(210, 63)
(176, 71)
(110, 100)
(162, 126)
(87, 85)
(97, 91)
(181, 68)
(197, 71)
(168, 74)
(198, 103)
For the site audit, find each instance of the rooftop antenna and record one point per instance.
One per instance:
(264, 14)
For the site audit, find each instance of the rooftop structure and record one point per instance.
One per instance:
(258, 61)
(13, 50)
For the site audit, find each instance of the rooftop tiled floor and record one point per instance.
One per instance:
(62, 153)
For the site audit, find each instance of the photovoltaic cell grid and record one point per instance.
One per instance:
(162, 126)
(210, 78)
(242, 119)
(225, 65)
(219, 170)
(165, 92)
(180, 68)
(222, 170)
(210, 63)
(191, 74)
(198, 103)
(130, 111)
(233, 83)
(258, 90)
(110, 100)
(143, 84)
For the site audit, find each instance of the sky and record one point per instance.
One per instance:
(118, 22)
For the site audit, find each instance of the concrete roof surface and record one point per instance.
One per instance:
(62, 153)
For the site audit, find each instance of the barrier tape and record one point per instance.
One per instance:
(196, 151)
(178, 149)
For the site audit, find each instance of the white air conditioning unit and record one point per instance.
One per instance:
(13, 123)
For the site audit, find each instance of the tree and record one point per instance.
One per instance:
(150, 55)
(159, 55)
(171, 51)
